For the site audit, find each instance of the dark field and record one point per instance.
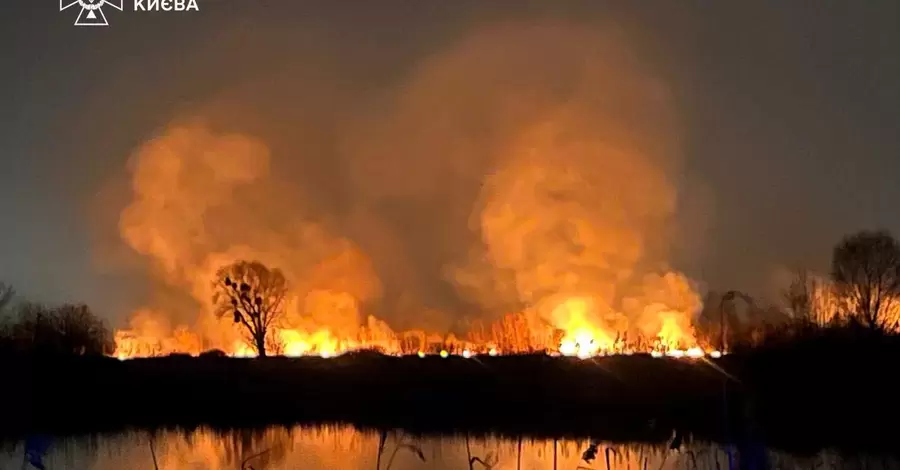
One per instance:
(796, 397)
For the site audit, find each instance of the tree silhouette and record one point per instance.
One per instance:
(812, 300)
(66, 329)
(82, 332)
(866, 270)
(6, 295)
(253, 295)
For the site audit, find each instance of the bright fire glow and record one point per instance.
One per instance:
(581, 338)
(572, 211)
(578, 333)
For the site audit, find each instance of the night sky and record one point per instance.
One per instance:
(789, 114)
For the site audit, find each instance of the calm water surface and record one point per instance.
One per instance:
(345, 448)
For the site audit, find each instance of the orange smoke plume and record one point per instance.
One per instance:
(552, 140)
(574, 217)
(203, 200)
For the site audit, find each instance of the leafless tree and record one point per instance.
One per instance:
(253, 295)
(80, 331)
(866, 270)
(67, 329)
(6, 325)
(799, 296)
(6, 295)
(812, 299)
(732, 323)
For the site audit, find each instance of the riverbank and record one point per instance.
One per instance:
(796, 399)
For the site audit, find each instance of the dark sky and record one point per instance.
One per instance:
(789, 113)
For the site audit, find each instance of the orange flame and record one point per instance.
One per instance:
(577, 335)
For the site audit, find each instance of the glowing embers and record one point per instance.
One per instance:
(444, 354)
(582, 346)
(569, 349)
(694, 353)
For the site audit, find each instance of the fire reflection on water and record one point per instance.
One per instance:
(332, 447)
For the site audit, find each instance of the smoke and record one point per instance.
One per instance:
(518, 167)
(202, 200)
(579, 200)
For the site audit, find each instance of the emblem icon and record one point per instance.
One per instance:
(91, 11)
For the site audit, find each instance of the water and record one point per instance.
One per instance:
(345, 448)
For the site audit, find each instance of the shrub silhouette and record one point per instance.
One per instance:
(64, 330)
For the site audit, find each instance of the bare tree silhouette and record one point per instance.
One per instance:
(798, 297)
(67, 329)
(865, 267)
(6, 295)
(82, 332)
(254, 295)
(812, 300)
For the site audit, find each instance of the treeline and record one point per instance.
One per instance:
(858, 300)
(860, 297)
(34, 328)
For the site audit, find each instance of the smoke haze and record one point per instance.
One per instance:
(524, 165)
(775, 131)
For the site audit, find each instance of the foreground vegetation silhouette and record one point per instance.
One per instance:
(834, 387)
(818, 377)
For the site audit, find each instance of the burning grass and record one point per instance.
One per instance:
(576, 331)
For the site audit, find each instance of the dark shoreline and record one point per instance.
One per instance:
(798, 401)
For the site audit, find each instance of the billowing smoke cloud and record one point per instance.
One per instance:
(580, 197)
(202, 200)
(521, 166)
